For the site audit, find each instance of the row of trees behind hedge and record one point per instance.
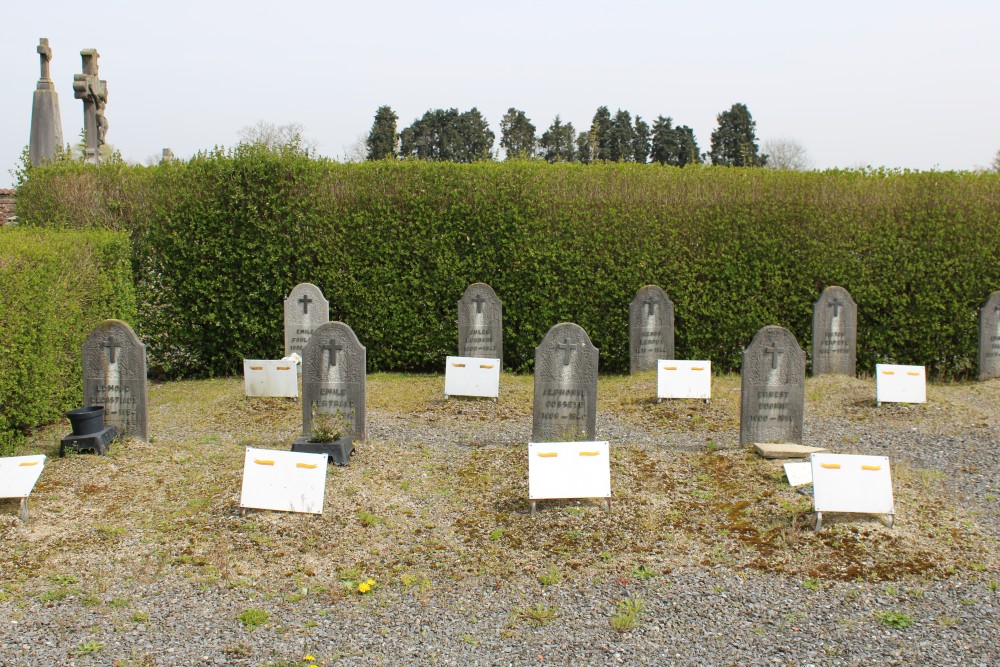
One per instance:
(218, 241)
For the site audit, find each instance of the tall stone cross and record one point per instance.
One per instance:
(835, 303)
(111, 347)
(45, 55)
(567, 348)
(332, 347)
(774, 352)
(479, 301)
(94, 93)
(651, 304)
(46, 126)
(305, 301)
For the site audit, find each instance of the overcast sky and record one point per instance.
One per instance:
(897, 83)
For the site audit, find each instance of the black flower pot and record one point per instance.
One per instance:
(88, 420)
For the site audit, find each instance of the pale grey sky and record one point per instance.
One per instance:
(898, 83)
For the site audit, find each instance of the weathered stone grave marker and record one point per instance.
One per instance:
(305, 309)
(93, 90)
(835, 333)
(651, 328)
(46, 125)
(565, 386)
(772, 388)
(334, 367)
(480, 323)
(114, 376)
(989, 338)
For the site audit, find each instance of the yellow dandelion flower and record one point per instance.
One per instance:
(370, 582)
(364, 588)
(309, 658)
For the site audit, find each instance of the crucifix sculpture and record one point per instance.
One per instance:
(94, 93)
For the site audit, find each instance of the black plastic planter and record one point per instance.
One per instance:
(88, 420)
(338, 451)
(89, 431)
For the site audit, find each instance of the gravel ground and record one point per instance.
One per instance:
(142, 558)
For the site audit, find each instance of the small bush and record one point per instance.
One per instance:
(252, 618)
(626, 616)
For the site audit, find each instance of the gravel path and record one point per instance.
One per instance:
(694, 614)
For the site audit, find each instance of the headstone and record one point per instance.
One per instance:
(90, 88)
(480, 323)
(114, 375)
(989, 338)
(283, 481)
(168, 155)
(333, 377)
(305, 309)
(46, 125)
(565, 386)
(851, 483)
(772, 388)
(651, 328)
(835, 333)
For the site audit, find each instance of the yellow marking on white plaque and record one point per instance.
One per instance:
(486, 365)
(871, 467)
(263, 462)
(283, 368)
(830, 466)
(256, 368)
(459, 365)
(697, 368)
(28, 463)
(912, 373)
(547, 455)
(310, 466)
(888, 372)
(670, 368)
(590, 453)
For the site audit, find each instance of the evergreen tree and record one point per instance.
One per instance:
(448, 135)
(584, 150)
(517, 135)
(687, 147)
(476, 137)
(600, 134)
(383, 140)
(663, 146)
(640, 141)
(734, 141)
(558, 143)
(620, 138)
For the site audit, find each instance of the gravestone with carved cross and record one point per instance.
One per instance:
(114, 375)
(305, 309)
(651, 328)
(46, 126)
(773, 388)
(334, 365)
(565, 386)
(835, 333)
(989, 338)
(480, 323)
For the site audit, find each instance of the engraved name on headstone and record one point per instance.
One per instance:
(114, 375)
(334, 367)
(651, 328)
(565, 386)
(773, 388)
(480, 323)
(835, 333)
(305, 309)
(989, 338)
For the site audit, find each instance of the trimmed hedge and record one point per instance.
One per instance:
(218, 242)
(57, 285)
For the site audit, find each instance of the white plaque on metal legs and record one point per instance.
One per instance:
(472, 376)
(568, 470)
(900, 384)
(283, 481)
(18, 475)
(680, 378)
(263, 377)
(851, 483)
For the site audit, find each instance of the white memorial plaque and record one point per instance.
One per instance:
(900, 384)
(568, 470)
(851, 483)
(679, 378)
(264, 377)
(18, 475)
(799, 473)
(283, 481)
(472, 376)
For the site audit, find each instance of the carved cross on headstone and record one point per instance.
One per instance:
(479, 301)
(305, 301)
(111, 346)
(567, 347)
(835, 303)
(774, 351)
(332, 347)
(651, 304)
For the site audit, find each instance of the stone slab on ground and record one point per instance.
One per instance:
(785, 450)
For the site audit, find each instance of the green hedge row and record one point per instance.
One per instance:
(218, 241)
(56, 287)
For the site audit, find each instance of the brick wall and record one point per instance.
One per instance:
(6, 205)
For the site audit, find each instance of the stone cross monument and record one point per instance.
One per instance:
(46, 125)
(94, 93)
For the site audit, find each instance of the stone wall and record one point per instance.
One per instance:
(6, 205)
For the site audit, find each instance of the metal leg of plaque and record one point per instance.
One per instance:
(24, 508)
(819, 521)
(532, 508)
(608, 501)
(892, 520)
(708, 401)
